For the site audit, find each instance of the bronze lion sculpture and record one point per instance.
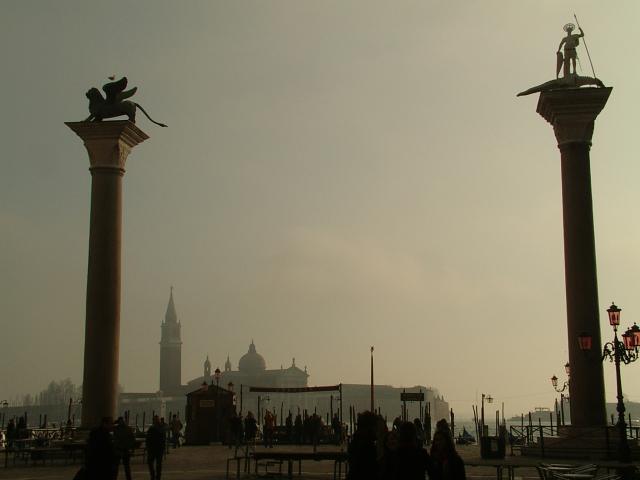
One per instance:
(114, 105)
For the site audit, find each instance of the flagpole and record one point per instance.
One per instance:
(372, 399)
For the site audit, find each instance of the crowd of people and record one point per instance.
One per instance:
(303, 429)
(374, 451)
(377, 453)
(110, 445)
(16, 431)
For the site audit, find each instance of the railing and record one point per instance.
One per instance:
(603, 439)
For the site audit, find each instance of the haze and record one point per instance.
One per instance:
(335, 175)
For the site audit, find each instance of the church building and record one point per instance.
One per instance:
(252, 371)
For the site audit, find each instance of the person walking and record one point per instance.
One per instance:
(156, 444)
(406, 460)
(100, 454)
(447, 464)
(363, 461)
(336, 426)
(176, 428)
(269, 427)
(124, 442)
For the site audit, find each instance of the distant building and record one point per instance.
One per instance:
(170, 350)
(252, 371)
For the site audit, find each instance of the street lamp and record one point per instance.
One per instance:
(489, 399)
(565, 385)
(617, 351)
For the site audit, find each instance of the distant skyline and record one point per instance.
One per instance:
(335, 175)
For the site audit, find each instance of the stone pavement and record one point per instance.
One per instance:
(209, 463)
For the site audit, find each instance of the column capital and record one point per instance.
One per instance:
(572, 112)
(108, 143)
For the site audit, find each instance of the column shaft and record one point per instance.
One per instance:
(587, 382)
(572, 112)
(102, 334)
(108, 145)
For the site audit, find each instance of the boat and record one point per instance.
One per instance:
(465, 438)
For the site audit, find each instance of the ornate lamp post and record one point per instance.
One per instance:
(617, 351)
(565, 385)
(489, 399)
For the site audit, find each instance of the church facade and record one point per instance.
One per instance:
(252, 371)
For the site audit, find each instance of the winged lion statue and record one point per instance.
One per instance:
(115, 103)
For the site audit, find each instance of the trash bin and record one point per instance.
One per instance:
(492, 447)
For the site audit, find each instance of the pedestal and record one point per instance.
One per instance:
(108, 145)
(572, 112)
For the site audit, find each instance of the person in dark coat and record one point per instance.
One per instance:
(124, 442)
(362, 451)
(156, 439)
(298, 427)
(289, 427)
(336, 426)
(447, 464)
(235, 429)
(408, 460)
(100, 454)
(11, 433)
(250, 427)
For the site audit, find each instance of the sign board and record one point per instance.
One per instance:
(207, 403)
(412, 397)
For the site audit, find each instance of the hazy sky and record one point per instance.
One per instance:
(335, 175)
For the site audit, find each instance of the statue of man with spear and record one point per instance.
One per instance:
(570, 42)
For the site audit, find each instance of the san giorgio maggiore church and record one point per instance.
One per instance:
(252, 371)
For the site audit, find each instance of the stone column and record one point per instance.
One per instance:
(108, 145)
(572, 112)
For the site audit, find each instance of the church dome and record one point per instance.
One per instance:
(252, 361)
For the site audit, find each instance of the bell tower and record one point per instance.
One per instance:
(170, 349)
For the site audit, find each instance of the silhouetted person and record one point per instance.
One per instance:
(447, 464)
(165, 428)
(269, 427)
(420, 432)
(100, 455)
(363, 463)
(288, 425)
(156, 444)
(306, 429)
(21, 430)
(408, 461)
(176, 428)
(336, 426)
(315, 427)
(396, 423)
(124, 442)
(250, 427)
(297, 427)
(11, 433)
(235, 428)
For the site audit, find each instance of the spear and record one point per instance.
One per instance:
(585, 46)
